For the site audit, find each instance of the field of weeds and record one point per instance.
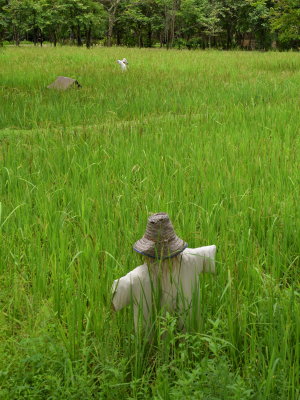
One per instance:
(212, 138)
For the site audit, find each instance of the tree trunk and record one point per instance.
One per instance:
(72, 35)
(175, 8)
(78, 36)
(140, 36)
(35, 36)
(16, 36)
(166, 38)
(149, 35)
(35, 30)
(41, 38)
(111, 22)
(118, 38)
(172, 27)
(229, 38)
(89, 36)
(111, 8)
(54, 38)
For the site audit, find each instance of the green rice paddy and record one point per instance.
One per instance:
(210, 137)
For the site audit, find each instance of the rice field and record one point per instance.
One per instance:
(210, 137)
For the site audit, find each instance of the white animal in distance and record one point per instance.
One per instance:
(123, 64)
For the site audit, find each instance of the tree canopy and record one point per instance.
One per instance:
(223, 24)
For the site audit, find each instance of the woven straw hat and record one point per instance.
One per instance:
(160, 240)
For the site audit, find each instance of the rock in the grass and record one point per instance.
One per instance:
(63, 83)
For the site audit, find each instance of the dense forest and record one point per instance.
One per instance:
(222, 24)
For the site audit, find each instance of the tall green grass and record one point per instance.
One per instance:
(212, 139)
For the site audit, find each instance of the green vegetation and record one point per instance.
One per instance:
(211, 138)
(222, 24)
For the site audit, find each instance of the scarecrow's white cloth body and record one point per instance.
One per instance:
(174, 281)
(122, 65)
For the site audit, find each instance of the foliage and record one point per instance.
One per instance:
(188, 23)
(53, 20)
(286, 21)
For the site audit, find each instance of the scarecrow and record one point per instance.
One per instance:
(123, 64)
(168, 281)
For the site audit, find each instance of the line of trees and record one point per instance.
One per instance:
(223, 24)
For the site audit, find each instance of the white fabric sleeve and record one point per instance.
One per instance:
(202, 259)
(122, 292)
(209, 262)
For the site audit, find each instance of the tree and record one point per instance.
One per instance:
(54, 19)
(111, 9)
(191, 23)
(285, 20)
(254, 23)
(18, 13)
(3, 20)
(135, 17)
(37, 19)
(199, 22)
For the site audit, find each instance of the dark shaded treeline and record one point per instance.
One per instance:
(223, 24)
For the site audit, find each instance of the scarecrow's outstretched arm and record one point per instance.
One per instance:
(121, 292)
